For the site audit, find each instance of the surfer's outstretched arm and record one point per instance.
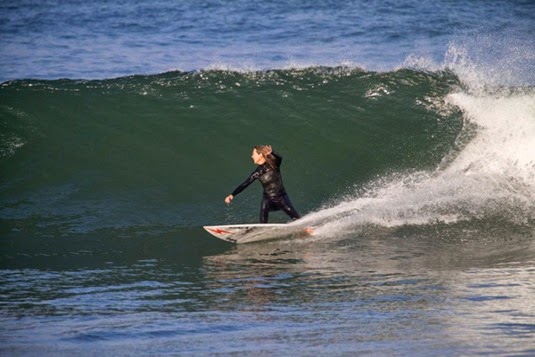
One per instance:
(243, 186)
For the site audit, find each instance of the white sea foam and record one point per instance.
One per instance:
(491, 176)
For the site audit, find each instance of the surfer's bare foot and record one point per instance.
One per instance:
(309, 231)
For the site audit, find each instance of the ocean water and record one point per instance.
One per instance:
(408, 136)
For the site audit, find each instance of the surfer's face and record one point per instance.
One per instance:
(258, 158)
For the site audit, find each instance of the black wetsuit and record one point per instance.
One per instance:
(275, 197)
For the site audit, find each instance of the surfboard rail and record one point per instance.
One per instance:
(247, 233)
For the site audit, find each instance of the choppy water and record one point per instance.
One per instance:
(407, 131)
(359, 294)
(104, 39)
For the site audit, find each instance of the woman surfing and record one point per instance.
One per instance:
(274, 197)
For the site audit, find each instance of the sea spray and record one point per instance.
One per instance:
(488, 177)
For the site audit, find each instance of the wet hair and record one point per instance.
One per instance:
(265, 151)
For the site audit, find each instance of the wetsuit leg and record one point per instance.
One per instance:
(264, 209)
(286, 205)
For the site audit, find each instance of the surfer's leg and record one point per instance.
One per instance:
(264, 209)
(286, 205)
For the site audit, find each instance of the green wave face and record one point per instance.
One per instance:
(165, 150)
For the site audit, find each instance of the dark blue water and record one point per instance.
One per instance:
(408, 135)
(104, 39)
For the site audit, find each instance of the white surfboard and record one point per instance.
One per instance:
(247, 233)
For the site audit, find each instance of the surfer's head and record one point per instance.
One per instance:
(262, 154)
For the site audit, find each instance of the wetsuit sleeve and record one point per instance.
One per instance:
(247, 182)
(278, 158)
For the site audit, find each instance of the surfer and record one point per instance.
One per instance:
(268, 172)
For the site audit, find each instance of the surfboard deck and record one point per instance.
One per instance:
(247, 233)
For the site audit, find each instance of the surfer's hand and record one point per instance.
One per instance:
(229, 199)
(269, 150)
